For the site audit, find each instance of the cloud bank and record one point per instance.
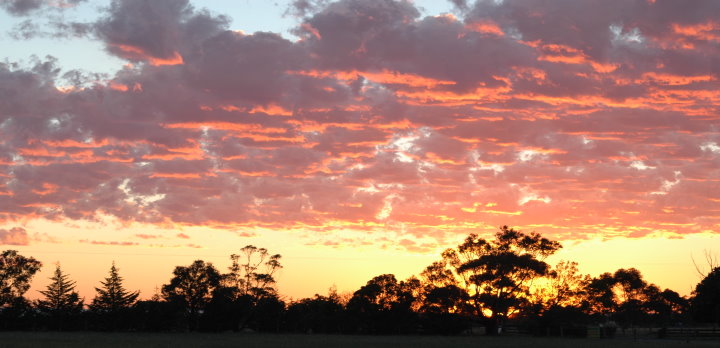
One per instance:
(577, 119)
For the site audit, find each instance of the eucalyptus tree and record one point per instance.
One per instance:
(16, 272)
(252, 272)
(247, 295)
(192, 288)
(384, 305)
(496, 274)
(705, 302)
(626, 298)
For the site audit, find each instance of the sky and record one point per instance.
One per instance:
(357, 137)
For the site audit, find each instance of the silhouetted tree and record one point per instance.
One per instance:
(192, 288)
(383, 305)
(626, 298)
(226, 310)
(445, 299)
(252, 272)
(16, 271)
(556, 307)
(487, 279)
(443, 310)
(444, 304)
(664, 308)
(19, 314)
(441, 291)
(249, 284)
(112, 296)
(438, 275)
(61, 303)
(267, 315)
(155, 315)
(565, 286)
(630, 288)
(320, 314)
(112, 299)
(600, 297)
(705, 303)
(498, 273)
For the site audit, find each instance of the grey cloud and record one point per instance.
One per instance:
(21, 7)
(301, 8)
(138, 29)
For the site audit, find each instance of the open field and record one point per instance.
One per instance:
(176, 340)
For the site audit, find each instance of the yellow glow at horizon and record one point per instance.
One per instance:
(311, 269)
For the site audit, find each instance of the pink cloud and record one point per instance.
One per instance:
(147, 236)
(113, 243)
(14, 236)
(377, 118)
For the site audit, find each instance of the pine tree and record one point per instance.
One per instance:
(112, 296)
(61, 299)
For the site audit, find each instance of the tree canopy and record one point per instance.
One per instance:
(706, 300)
(252, 272)
(16, 272)
(497, 273)
(192, 286)
(503, 280)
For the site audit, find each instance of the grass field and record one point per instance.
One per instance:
(91, 339)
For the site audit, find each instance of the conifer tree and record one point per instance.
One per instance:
(61, 299)
(112, 296)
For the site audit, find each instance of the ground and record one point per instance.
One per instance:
(178, 340)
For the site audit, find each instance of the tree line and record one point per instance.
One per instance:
(489, 283)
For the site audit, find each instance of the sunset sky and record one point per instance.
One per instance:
(357, 137)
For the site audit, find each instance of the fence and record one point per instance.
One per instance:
(690, 333)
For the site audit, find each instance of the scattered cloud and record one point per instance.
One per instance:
(377, 118)
(27, 7)
(14, 236)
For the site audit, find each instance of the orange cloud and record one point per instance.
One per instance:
(486, 27)
(176, 175)
(382, 77)
(176, 59)
(557, 53)
(139, 54)
(673, 80)
(47, 188)
(708, 31)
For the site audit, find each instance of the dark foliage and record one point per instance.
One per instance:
(383, 306)
(706, 300)
(156, 315)
(481, 282)
(61, 307)
(112, 296)
(16, 272)
(18, 315)
(191, 289)
(110, 309)
(319, 314)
